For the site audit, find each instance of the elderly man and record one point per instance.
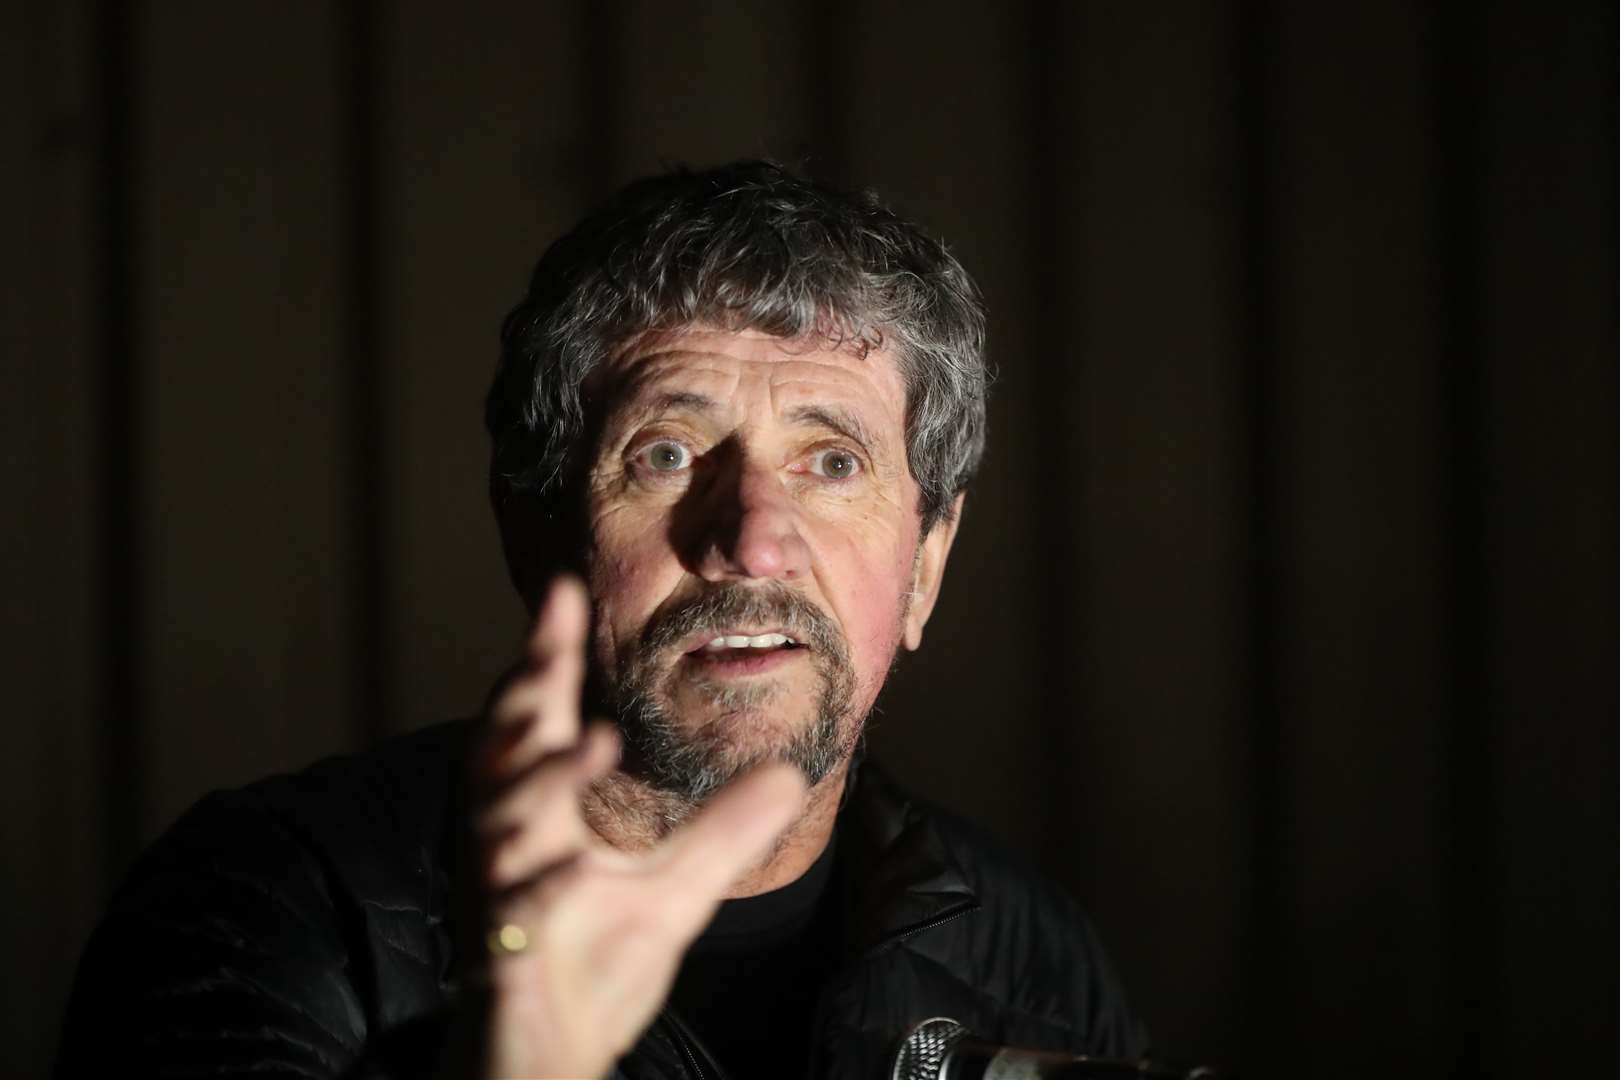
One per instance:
(733, 425)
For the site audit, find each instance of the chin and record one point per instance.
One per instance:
(749, 735)
(694, 750)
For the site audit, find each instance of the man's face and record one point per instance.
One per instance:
(747, 490)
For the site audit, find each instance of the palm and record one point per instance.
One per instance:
(602, 931)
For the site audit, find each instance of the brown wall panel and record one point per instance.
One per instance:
(487, 158)
(1160, 744)
(674, 103)
(1551, 282)
(55, 853)
(244, 642)
(1360, 468)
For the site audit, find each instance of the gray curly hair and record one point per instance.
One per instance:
(746, 246)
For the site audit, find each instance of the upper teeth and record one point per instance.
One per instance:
(743, 641)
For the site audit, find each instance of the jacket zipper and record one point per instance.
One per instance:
(691, 1058)
(674, 1024)
(938, 920)
(819, 1020)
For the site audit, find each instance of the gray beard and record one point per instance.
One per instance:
(692, 765)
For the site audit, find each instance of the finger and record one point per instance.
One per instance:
(545, 699)
(523, 796)
(498, 784)
(530, 906)
(536, 822)
(733, 833)
(532, 717)
(508, 742)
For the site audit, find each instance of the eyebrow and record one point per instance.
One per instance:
(668, 401)
(834, 418)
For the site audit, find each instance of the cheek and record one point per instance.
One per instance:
(628, 568)
(872, 602)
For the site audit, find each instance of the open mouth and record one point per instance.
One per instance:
(745, 653)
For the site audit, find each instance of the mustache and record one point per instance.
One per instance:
(728, 605)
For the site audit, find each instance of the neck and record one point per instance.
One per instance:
(628, 814)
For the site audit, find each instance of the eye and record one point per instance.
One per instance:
(835, 464)
(665, 456)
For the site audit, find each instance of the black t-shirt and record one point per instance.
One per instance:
(749, 984)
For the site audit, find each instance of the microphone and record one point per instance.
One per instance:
(942, 1049)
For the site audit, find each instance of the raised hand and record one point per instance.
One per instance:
(585, 940)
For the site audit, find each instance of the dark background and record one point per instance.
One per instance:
(1284, 626)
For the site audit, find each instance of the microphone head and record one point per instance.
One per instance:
(940, 1045)
(922, 1054)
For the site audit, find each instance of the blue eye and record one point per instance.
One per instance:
(836, 464)
(665, 456)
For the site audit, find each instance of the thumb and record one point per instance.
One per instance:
(732, 833)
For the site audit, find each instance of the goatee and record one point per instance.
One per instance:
(691, 764)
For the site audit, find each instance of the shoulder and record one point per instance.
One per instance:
(364, 831)
(378, 817)
(1028, 946)
(261, 925)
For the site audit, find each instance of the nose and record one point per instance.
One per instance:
(753, 529)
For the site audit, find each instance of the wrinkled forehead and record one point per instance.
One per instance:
(724, 366)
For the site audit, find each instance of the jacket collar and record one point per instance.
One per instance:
(904, 878)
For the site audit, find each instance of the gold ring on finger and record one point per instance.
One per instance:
(509, 939)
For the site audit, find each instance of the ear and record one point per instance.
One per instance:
(929, 572)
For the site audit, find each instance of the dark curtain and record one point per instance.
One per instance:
(1284, 625)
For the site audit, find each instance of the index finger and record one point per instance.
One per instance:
(550, 685)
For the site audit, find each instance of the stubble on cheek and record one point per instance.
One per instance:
(618, 576)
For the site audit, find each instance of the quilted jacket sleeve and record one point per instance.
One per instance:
(222, 954)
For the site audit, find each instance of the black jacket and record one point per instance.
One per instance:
(301, 927)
